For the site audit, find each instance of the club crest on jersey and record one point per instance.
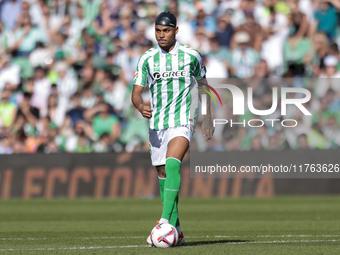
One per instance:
(168, 67)
(181, 63)
(170, 74)
(156, 65)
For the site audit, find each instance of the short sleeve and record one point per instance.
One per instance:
(141, 75)
(200, 69)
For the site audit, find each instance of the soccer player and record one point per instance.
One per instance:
(169, 70)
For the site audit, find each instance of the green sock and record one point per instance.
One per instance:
(174, 220)
(171, 186)
(161, 188)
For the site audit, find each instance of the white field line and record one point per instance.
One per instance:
(77, 248)
(285, 241)
(141, 237)
(143, 246)
(280, 236)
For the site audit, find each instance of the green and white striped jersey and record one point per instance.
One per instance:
(171, 77)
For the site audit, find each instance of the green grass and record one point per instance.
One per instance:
(285, 225)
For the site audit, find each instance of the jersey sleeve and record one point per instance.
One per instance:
(200, 69)
(141, 75)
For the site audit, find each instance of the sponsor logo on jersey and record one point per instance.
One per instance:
(168, 67)
(156, 65)
(169, 74)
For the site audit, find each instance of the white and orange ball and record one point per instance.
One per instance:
(164, 235)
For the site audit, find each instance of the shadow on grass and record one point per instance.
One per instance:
(214, 242)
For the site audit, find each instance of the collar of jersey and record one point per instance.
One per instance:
(173, 51)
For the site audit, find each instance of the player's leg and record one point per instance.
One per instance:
(168, 147)
(174, 220)
(158, 153)
(161, 179)
(177, 147)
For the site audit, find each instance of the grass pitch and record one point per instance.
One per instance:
(286, 225)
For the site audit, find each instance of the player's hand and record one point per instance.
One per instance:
(207, 129)
(145, 111)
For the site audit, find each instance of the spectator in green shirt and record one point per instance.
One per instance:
(8, 110)
(218, 52)
(83, 145)
(326, 17)
(295, 51)
(5, 37)
(103, 121)
(25, 38)
(91, 9)
(316, 138)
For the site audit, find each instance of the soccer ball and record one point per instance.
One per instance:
(164, 235)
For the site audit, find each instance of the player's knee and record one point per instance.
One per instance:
(161, 172)
(161, 175)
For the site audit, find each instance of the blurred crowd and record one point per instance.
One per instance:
(66, 69)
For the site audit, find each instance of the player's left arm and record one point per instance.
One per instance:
(200, 75)
(207, 125)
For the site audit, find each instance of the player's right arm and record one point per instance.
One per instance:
(139, 82)
(137, 100)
